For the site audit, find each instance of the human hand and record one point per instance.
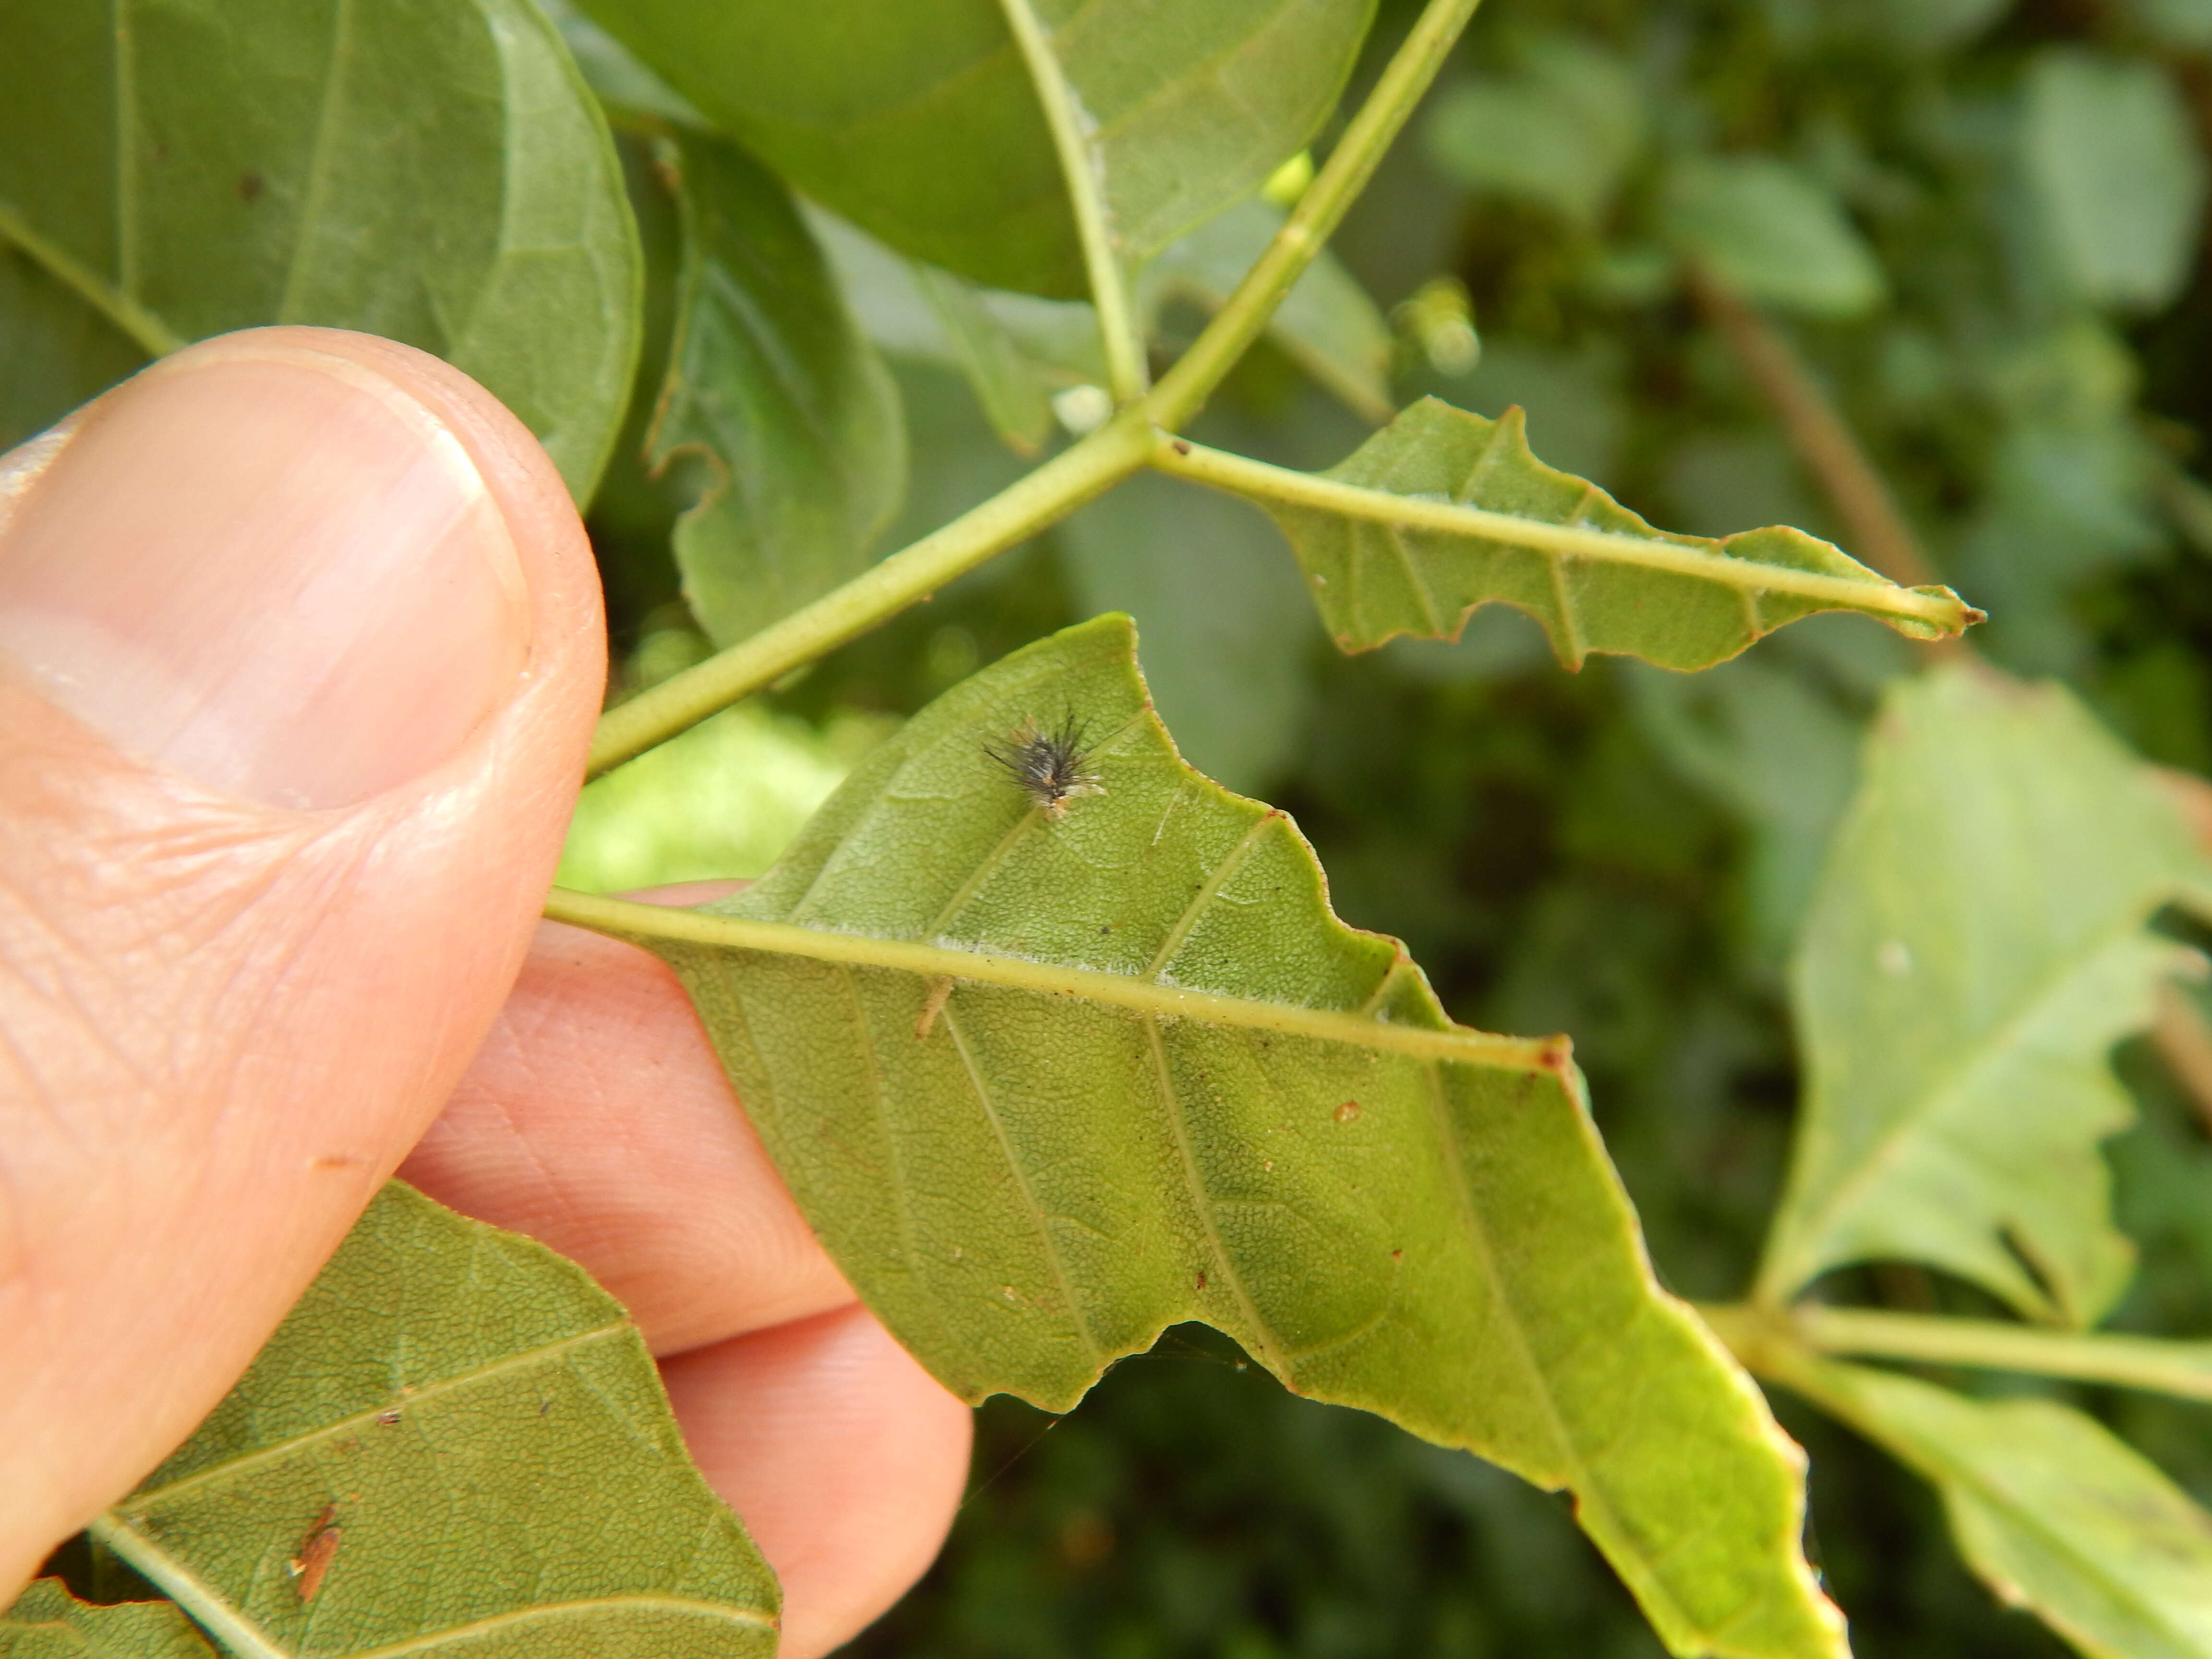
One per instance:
(300, 650)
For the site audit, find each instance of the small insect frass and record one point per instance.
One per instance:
(1048, 766)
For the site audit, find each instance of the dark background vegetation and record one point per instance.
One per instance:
(1623, 854)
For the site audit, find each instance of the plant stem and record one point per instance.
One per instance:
(2182, 1369)
(149, 333)
(1260, 480)
(1035, 501)
(624, 918)
(1184, 388)
(1126, 374)
(1065, 482)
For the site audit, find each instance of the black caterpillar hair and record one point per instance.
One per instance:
(1048, 766)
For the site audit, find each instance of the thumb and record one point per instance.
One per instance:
(300, 648)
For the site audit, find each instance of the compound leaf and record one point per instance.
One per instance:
(2052, 1511)
(1442, 510)
(793, 418)
(47, 1622)
(1046, 1085)
(439, 174)
(919, 121)
(455, 1443)
(1975, 947)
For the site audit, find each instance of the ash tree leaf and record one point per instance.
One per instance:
(1977, 945)
(1046, 1085)
(793, 418)
(919, 121)
(439, 174)
(1442, 510)
(1326, 323)
(47, 1622)
(2052, 1511)
(455, 1443)
(1773, 234)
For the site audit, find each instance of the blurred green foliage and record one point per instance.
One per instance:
(1982, 225)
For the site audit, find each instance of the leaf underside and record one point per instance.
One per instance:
(1027, 1183)
(920, 123)
(47, 1622)
(1977, 945)
(437, 174)
(1373, 580)
(770, 384)
(2054, 1512)
(485, 1432)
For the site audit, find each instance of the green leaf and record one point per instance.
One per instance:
(1046, 1086)
(1326, 323)
(2113, 160)
(1013, 350)
(2054, 1513)
(483, 1432)
(770, 387)
(47, 1622)
(1977, 946)
(438, 174)
(919, 121)
(1562, 132)
(1442, 510)
(1772, 233)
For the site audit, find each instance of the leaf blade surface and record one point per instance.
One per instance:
(1956, 1034)
(439, 175)
(2054, 1513)
(920, 123)
(469, 1438)
(771, 387)
(47, 1622)
(1046, 1086)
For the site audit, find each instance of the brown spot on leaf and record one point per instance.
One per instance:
(250, 186)
(1347, 1111)
(317, 1551)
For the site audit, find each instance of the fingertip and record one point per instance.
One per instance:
(845, 1458)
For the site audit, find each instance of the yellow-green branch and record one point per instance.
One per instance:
(1064, 483)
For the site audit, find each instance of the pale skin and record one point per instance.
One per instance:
(301, 649)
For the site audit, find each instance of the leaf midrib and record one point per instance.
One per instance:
(146, 1496)
(1458, 1044)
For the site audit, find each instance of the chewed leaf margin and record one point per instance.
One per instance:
(1039, 1107)
(1443, 512)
